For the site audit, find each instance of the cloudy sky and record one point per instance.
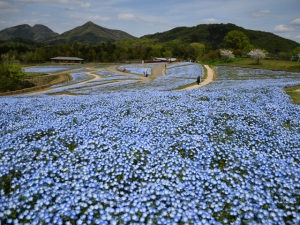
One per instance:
(141, 17)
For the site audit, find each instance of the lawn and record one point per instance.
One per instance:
(294, 92)
(264, 64)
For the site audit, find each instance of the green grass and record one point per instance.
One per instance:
(32, 75)
(294, 92)
(264, 64)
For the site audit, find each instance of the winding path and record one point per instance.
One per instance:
(209, 79)
(83, 82)
(156, 72)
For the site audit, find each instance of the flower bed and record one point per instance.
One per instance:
(140, 69)
(226, 153)
(77, 78)
(239, 73)
(95, 86)
(47, 69)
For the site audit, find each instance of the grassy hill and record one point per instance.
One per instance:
(215, 33)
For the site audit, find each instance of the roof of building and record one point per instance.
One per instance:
(164, 59)
(67, 58)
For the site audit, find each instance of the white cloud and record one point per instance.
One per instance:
(295, 22)
(89, 18)
(43, 1)
(261, 13)
(38, 14)
(85, 5)
(3, 4)
(6, 8)
(9, 11)
(283, 28)
(208, 21)
(3, 22)
(128, 16)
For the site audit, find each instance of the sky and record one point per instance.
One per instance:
(142, 17)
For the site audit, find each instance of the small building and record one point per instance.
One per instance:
(156, 59)
(67, 60)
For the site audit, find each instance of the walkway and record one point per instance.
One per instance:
(209, 79)
(157, 72)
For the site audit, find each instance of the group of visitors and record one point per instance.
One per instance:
(145, 74)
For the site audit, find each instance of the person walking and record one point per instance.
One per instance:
(198, 80)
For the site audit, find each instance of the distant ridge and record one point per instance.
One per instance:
(90, 33)
(38, 33)
(214, 35)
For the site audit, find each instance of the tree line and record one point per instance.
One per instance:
(138, 49)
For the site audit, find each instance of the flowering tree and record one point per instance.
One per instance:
(257, 54)
(226, 54)
(298, 57)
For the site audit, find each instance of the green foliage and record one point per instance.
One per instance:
(213, 35)
(199, 50)
(11, 74)
(16, 73)
(71, 146)
(199, 43)
(296, 51)
(6, 181)
(237, 40)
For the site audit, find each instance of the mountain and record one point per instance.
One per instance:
(38, 33)
(210, 34)
(90, 33)
(42, 33)
(215, 33)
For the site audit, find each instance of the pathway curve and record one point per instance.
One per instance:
(158, 71)
(209, 79)
(83, 82)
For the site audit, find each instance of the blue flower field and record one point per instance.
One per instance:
(144, 153)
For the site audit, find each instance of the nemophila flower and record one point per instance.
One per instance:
(76, 78)
(235, 150)
(47, 69)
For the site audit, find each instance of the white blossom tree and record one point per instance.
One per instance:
(298, 57)
(226, 54)
(257, 54)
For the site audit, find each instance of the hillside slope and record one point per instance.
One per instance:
(90, 33)
(36, 33)
(215, 33)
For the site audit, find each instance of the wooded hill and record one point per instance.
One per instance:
(38, 33)
(88, 33)
(95, 43)
(214, 34)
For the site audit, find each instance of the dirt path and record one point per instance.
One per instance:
(158, 71)
(209, 79)
(83, 82)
